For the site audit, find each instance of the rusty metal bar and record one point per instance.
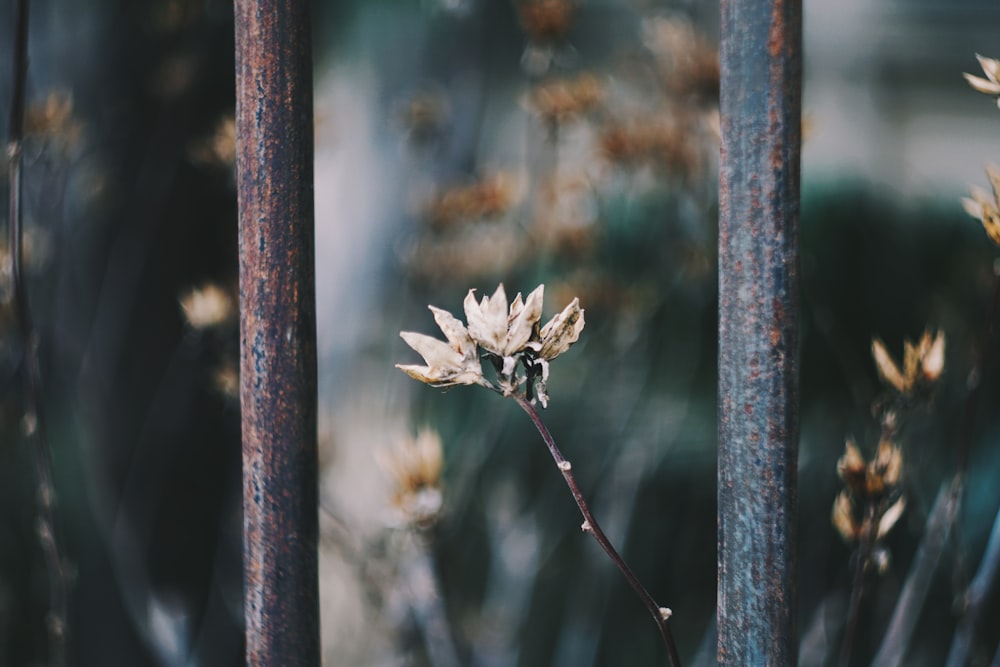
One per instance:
(760, 109)
(274, 159)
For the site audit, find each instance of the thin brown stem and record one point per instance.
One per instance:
(33, 421)
(660, 614)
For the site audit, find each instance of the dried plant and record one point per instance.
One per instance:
(872, 500)
(518, 350)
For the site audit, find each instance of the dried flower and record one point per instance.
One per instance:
(226, 380)
(991, 84)
(546, 20)
(415, 467)
(844, 519)
(424, 115)
(851, 467)
(884, 470)
(220, 148)
(208, 307)
(501, 331)
(561, 331)
(985, 205)
(509, 337)
(563, 101)
(486, 199)
(669, 143)
(872, 484)
(448, 364)
(53, 119)
(922, 363)
(688, 63)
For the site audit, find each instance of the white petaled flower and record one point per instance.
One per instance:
(503, 331)
(509, 335)
(448, 363)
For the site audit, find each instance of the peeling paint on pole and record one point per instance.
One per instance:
(274, 127)
(761, 75)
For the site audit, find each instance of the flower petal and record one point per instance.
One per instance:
(933, 358)
(887, 368)
(445, 365)
(488, 319)
(981, 85)
(991, 67)
(562, 331)
(523, 320)
(890, 517)
(843, 517)
(455, 332)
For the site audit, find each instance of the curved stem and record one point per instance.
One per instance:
(660, 614)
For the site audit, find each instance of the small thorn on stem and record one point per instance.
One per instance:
(586, 527)
(565, 466)
(665, 613)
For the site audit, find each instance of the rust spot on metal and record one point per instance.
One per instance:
(777, 35)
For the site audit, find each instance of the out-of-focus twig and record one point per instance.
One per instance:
(911, 600)
(34, 419)
(975, 597)
(863, 566)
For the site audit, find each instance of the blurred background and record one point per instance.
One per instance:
(463, 143)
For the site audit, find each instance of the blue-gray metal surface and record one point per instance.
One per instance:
(760, 105)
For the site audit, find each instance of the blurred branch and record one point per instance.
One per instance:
(864, 554)
(661, 615)
(911, 600)
(34, 417)
(975, 598)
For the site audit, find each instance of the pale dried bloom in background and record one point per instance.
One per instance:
(922, 362)
(985, 206)
(688, 63)
(872, 482)
(566, 100)
(53, 120)
(667, 142)
(486, 199)
(208, 307)
(226, 380)
(220, 148)
(546, 20)
(991, 84)
(415, 468)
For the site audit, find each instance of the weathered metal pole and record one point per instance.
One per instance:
(760, 108)
(274, 160)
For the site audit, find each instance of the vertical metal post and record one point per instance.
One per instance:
(758, 330)
(274, 159)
